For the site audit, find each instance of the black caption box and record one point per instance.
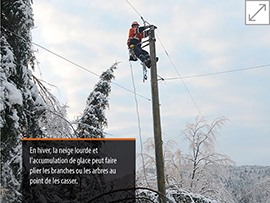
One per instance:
(78, 170)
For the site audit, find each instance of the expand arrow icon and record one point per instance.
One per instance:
(252, 18)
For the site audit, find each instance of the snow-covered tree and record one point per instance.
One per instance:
(53, 121)
(92, 122)
(20, 96)
(205, 167)
(200, 171)
(20, 102)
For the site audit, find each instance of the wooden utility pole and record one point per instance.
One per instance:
(156, 116)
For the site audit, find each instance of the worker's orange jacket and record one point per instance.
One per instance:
(135, 35)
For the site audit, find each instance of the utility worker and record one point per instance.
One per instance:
(136, 33)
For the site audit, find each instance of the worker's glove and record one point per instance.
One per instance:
(152, 27)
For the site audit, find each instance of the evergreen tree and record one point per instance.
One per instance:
(93, 120)
(20, 104)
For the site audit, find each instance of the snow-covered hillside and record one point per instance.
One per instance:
(249, 183)
(243, 184)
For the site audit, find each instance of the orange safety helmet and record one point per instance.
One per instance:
(135, 23)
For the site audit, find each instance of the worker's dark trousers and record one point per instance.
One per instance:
(141, 54)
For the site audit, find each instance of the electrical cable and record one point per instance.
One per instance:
(202, 75)
(193, 100)
(137, 107)
(171, 62)
(136, 11)
(139, 122)
(185, 86)
(220, 72)
(75, 64)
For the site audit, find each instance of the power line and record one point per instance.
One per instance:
(75, 64)
(139, 122)
(190, 95)
(171, 63)
(134, 8)
(182, 78)
(136, 11)
(219, 73)
(69, 61)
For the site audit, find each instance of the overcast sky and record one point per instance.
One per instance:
(200, 37)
